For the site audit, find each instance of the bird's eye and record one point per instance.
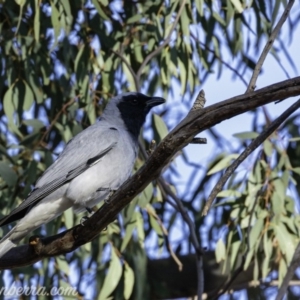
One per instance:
(134, 101)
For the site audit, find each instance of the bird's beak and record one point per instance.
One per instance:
(154, 101)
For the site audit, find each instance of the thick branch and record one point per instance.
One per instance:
(196, 122)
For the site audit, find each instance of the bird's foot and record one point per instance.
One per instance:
(83, 220)
(107, 199)
(111, 192)
(152, 147)
(89, 210)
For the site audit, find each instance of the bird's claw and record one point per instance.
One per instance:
(107, 199)
(83, 220)
(89, 210)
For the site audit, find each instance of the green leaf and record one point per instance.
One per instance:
(235, 212)
(38, 93)
(296, 170)
(104, 2)
(63, 265)
(20, 2)
(199, 7)
(282, 271)
(128, 75)
(222, 164)
(69, 218)
(100, 10)
(268, 148)
(36, 22)
(35, 124)
(220, 251)
(134, 19)
(140, 228)
(267, 251)
(278, 197)
(219, 18)
(7, 174)
(112, 277)
(182, 75)
(128, 232)
(129, 210)
(159, 126)
(235, 246)
(229, 193)
(128, 281)
(55, 23)
(247, 135)
(294, 139)
(290, 204)
(290, 223)
(248, 259)
(185, 22)
(157, 228)
(256, 269)
(285, 241)
(146, 196)
(8, 105)
(238, 6)
(255, 233)
(28, 98)
(81, 64)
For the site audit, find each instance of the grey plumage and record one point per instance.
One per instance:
(94, 162)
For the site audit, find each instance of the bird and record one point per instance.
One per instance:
(93, 164)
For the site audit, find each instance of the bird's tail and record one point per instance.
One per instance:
(5, 245)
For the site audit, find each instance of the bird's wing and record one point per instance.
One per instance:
(81, 153)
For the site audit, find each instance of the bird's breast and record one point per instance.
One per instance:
(108, 173)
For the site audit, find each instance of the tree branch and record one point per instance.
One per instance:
(195, 122)
(252, 83)
(135, 78)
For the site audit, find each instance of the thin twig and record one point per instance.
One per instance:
(64, 107)
(198, 141)
(257, 69)
(254, 144)
(163, 44)
(135, 78)
(289, 274)
(166, 237)
(193, 235)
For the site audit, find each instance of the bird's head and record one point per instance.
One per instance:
(132, 108)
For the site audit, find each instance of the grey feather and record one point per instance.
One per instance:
(94, 162)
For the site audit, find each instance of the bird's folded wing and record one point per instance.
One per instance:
(74, 160)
